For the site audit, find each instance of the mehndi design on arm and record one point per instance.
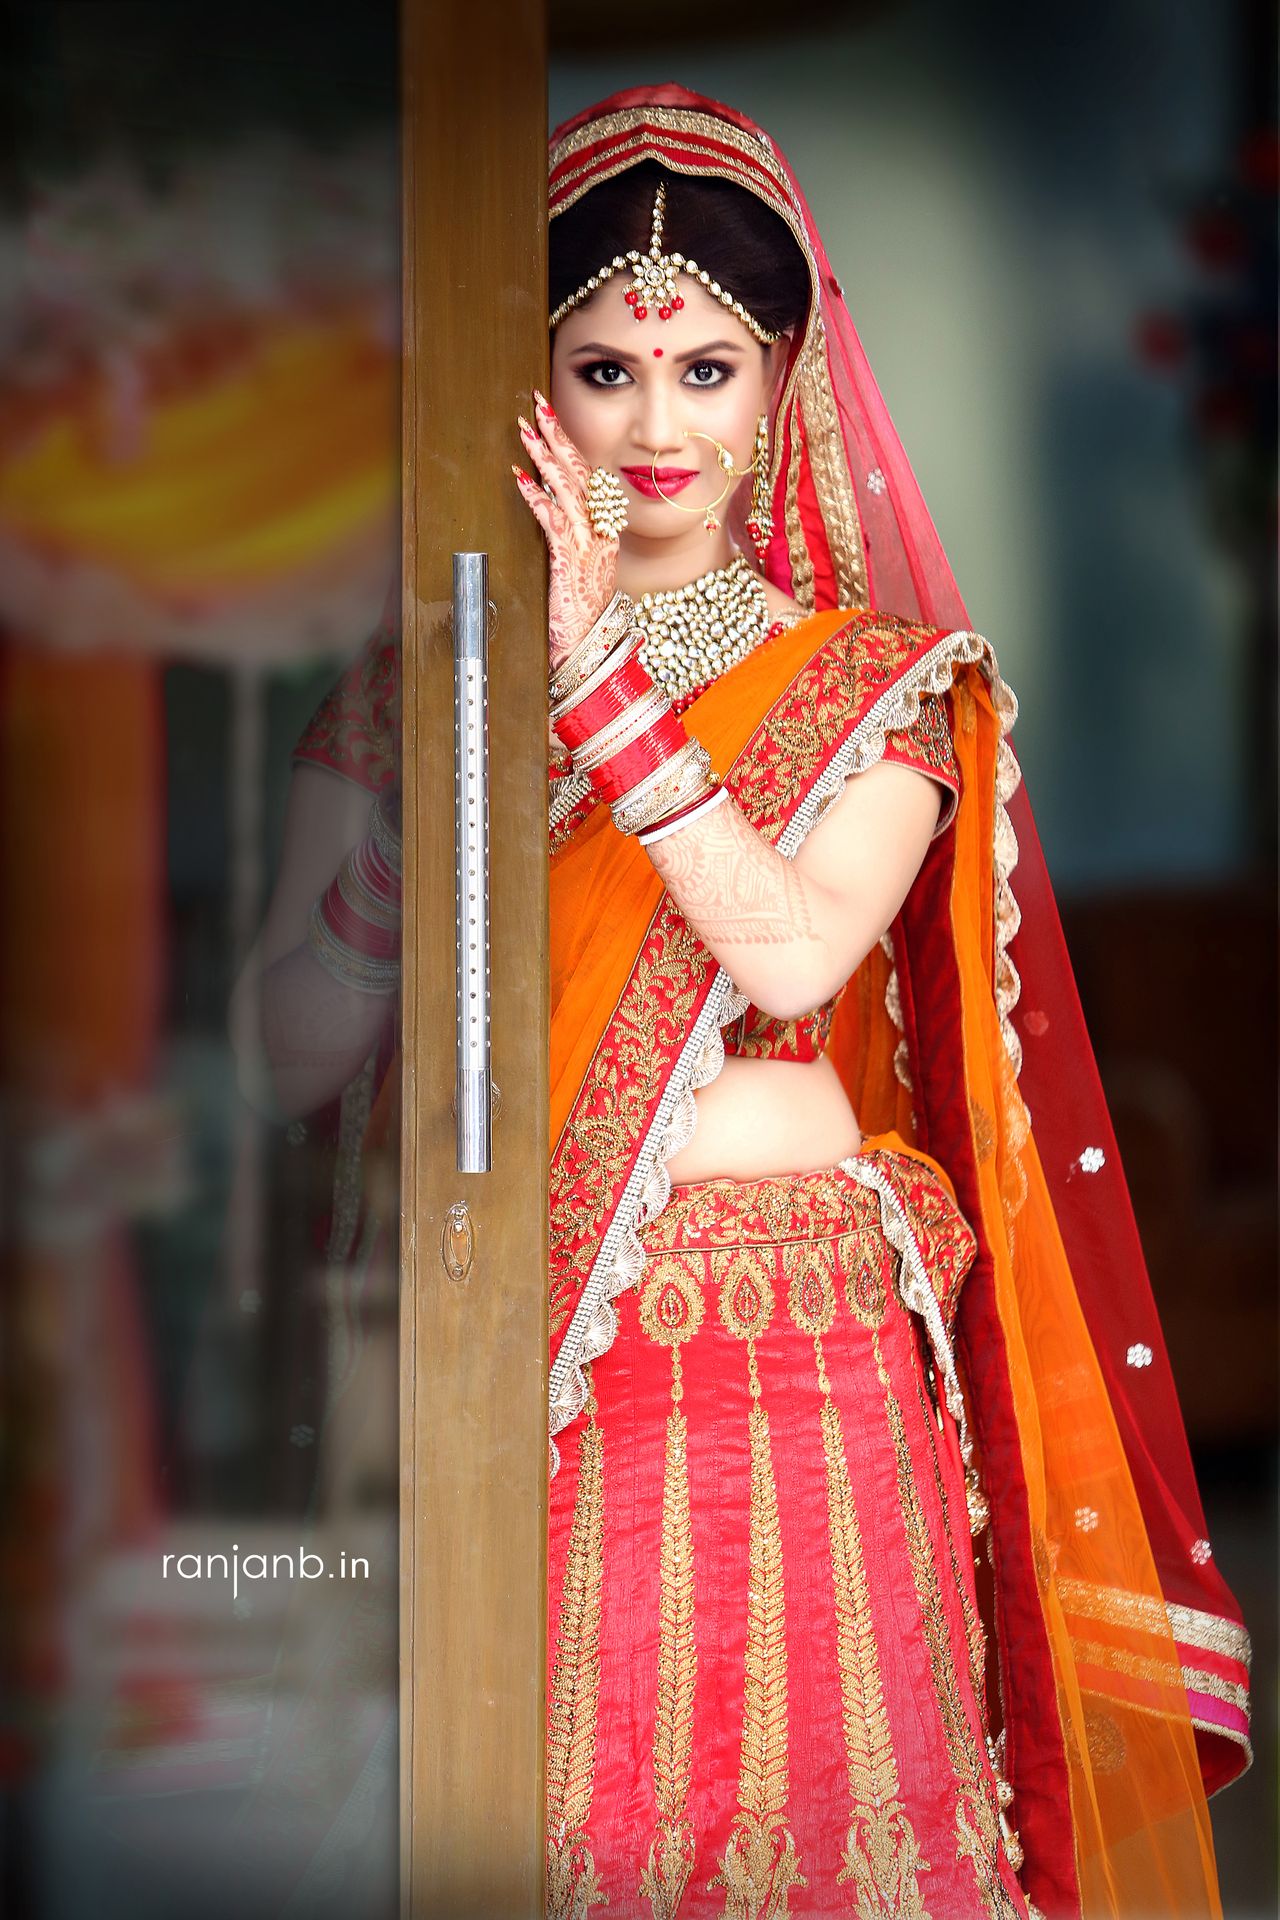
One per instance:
(733, 888)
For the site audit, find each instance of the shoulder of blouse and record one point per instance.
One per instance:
(355, 729)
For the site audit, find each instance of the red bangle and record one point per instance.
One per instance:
(354, 930)
(372, 871)
(628, 683)
(639, 758)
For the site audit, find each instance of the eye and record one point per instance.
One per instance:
(717, 371)
(603, 373)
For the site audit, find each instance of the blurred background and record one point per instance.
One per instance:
(1056, 232)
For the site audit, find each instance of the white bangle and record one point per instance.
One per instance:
(685, 820)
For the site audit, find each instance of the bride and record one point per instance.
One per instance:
(817, 1343)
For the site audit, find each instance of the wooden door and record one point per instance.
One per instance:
(473, 1366)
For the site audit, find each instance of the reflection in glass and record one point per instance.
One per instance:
(198, 510)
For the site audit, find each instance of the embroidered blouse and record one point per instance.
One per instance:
(925, 745)
(356, 728)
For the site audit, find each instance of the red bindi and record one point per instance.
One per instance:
(657, 353)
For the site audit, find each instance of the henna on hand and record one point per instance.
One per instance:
(734, 890)
(584, 564)
(582, 585)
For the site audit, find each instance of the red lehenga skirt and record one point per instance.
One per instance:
(766, 1659)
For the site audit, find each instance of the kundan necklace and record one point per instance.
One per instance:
(693, 634)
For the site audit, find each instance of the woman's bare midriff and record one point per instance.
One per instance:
(761, 1117)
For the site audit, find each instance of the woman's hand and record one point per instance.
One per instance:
(584, 564)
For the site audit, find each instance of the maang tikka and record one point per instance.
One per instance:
(655, 286)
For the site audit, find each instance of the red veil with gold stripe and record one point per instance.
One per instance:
(1123, 1661)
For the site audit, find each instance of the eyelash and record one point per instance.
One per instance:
(587, 374)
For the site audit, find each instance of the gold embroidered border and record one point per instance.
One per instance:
(977, 1817)
(785, 1210)
(799, 559)
(1230, 1692)
(1164, 1673)
(573, 1884)
(836, 500)
(671, 1852)
(690, 120)
(881, 1854)
(1234, 1734)
(974, 1632)
(1142, 1611)
(760, 1865)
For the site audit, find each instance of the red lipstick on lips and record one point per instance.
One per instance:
(670, 479)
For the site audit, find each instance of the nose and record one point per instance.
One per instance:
(658, 429)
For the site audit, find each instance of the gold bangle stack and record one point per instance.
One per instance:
(686, 777)
(348, 966)
(612, 626)
(363, 901)
(386, 839)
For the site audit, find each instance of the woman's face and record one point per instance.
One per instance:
(626, 390)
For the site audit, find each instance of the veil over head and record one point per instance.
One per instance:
(1123, 1660)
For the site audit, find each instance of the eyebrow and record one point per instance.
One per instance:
(629, 359)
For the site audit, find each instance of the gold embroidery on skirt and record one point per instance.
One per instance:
(671, 1311)
(881, 1853)
(864, 1256)
(760, 1865)
(973, 1625)
(573, 1884)
(977, 1816)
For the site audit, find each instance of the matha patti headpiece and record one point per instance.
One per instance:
(656, 282)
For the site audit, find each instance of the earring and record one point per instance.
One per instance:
(760, 520)
(606, 504)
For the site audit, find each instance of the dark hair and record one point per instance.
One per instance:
(725, 228)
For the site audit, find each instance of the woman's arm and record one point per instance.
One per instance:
(299, 1035)
(791, 932)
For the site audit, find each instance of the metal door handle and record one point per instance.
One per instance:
(471, 856)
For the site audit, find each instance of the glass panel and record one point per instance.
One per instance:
(199, 519)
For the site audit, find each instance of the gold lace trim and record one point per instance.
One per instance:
(1188, 1625)
(836, 500)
